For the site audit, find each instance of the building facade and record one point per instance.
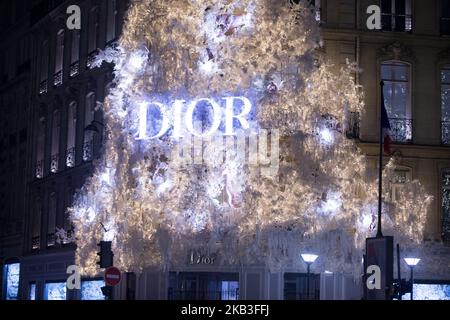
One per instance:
(62, 119)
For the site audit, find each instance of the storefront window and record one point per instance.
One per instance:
(12, 278)
(55, 291)
(32, 292)
(91, 290)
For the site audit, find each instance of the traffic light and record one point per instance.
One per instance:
(106, 255)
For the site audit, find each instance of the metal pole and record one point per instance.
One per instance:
(399, 275)
(307, 282)
(380, 165)
(412, 283)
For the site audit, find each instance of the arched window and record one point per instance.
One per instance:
(111, 21)
(88, 144)
(56, 129)
(40, 151)
(71, 134)
(445, 105)
(59, 58)
(51, 222)
(397, 98)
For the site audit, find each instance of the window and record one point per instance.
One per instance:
(32, 291)
(71, 134)
(445, 17)
(445, 195)
(445, 105)
(11, 281)
(92, 290)
(397, 99)
(59, 58)
(36, 231)
(55, 291)
(51, 223)
(40, 149)
(296, 286)
(44, 68)
(88, 144)
(56, 128)
(92, 35)
(400, 177)
(396, 15)
(229, 290)
(111, 21)
(75, 53)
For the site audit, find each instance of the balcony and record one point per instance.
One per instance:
(445, 26)
(58, 78)
(396, 22)
(54, 166)
(353, 125)
(51, 239)
(74, 69)
(43, 87)
(401, 130)
(40, 169)
(70, 158)
(35, 243)
(91, 58)
(88, 150)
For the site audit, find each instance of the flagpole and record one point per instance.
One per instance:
(380, 166)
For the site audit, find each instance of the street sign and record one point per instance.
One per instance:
(112, 276)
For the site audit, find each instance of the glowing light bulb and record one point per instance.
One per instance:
(326, 136)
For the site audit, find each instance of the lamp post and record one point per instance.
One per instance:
(412, 262)
(309, 259)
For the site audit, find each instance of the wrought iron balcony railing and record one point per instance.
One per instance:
(445, 26)
(74, 69)
(35, 243)
(58, 78)
(445, 132)
(40, 169)
(43, 87)
(91, 58)
(353, 125)
(54, 165)
(51, 239)
(396, 22)
(70, 157)
(401, 130)
(88, 150)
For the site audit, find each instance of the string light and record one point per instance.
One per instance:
(155, 211)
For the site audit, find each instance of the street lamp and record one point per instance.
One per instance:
(412, 262)
(309, 259)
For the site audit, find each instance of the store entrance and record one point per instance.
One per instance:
(203, 286)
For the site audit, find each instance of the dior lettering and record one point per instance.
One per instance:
(180, 117)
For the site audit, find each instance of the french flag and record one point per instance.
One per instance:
(385, 125)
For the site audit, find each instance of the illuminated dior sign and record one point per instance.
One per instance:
(182, 116)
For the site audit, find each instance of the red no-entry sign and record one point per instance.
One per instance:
(112, 276)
